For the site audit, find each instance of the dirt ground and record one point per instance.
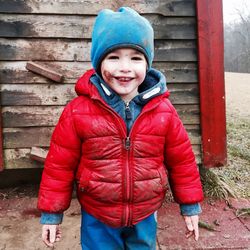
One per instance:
(19, 219)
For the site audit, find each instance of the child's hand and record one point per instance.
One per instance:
(51, 234)
(192, 226)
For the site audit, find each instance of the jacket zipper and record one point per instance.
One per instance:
(127, 182)
(128, 177)
(129, 188)
(127, 220)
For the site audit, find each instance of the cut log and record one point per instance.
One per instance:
(46, 72)
(38, 154)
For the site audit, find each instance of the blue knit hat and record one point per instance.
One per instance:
(124, 28)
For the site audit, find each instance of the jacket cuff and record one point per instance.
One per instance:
(51, 219)
(190, 209)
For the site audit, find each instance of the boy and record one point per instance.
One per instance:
(118, 140)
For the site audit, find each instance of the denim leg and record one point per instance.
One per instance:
(95, 235)
(141, 236)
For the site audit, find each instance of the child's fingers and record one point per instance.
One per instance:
(58, 234)
(52, 233)
(192, 226)
(188, 222)
(189, 234)
(195, 221)
(45, 236)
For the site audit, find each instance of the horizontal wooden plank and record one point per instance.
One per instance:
(61, 94)
(15, 72)
(184, 93)
(71, 50)
(34, 116)
(90, 7)
(67, 26)
(48, 50)
(27, 137)
(42, 94)
(189, 114)
(20, 158)
(40, 137)
(31, 116)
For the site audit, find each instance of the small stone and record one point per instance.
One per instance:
(211, 203)
(226, 236)
(163, 228)
(216, 222)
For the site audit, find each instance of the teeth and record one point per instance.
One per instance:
(124, 78)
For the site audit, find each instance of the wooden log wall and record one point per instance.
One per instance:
(58, 35)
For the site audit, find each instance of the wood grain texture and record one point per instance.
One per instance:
(38, 116)
(20, 158)
(72, 50)
(61, 94)
(44, 71)
(31, 116)
(57, 34)
(16, 73)
(92, 7)
(75, 27)
(27, 137)
(40, 136)
(38, 154)
(42, 94)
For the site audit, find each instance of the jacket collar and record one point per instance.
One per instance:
(153, 85)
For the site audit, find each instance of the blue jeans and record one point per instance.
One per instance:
(96, 235)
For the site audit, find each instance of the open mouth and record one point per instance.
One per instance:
(124, 79)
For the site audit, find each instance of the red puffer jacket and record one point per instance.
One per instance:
(120, 179)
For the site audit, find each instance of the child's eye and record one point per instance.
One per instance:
(136, 58)
(113, 57)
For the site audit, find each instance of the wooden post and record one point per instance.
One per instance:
(211, 82)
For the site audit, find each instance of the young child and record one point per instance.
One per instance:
(119, 140)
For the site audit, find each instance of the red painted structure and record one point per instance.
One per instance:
(211, 82)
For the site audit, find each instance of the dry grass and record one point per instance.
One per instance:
(237, 172)
(233, 179)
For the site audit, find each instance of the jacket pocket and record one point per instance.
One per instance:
(85, 177)
(164, 178)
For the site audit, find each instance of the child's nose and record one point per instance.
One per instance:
(125, 65)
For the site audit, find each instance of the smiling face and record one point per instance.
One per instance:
(124, 70)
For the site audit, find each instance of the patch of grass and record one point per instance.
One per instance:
(239, 139)
(233, 179)
(216, 185)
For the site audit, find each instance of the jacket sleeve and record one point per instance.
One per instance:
(190, 209)
(60, 165)
(184, 178)
(51, 219)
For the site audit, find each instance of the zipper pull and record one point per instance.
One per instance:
(127, 143)
(127, 111)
